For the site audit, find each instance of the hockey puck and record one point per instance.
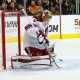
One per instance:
(60, 59)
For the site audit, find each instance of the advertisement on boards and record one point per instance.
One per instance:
(70, 26)
(11, 27)
(54, 27)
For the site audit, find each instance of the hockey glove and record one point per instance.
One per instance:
(42, 38)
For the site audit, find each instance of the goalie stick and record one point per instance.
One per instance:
(37, 34)
(54, 45)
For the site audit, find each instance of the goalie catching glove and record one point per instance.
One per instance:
(42, 38)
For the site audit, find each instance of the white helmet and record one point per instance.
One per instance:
(46, 16)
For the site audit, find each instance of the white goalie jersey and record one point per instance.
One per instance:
(30, 36)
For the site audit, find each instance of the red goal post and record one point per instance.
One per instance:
(3, 34)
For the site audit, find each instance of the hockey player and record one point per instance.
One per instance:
(36, 32)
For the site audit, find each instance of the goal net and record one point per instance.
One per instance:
(9, 36)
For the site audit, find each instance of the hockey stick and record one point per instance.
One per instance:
(37, 34)
(54, 45)
(51, 56)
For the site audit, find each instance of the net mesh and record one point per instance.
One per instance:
(11, 34)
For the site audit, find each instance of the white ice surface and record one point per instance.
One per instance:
(66, 49)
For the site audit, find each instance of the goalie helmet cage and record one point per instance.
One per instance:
(3, 34)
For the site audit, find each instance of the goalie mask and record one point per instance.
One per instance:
(46, 16)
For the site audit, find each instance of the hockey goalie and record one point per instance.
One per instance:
(36, 43)
(35, 37)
